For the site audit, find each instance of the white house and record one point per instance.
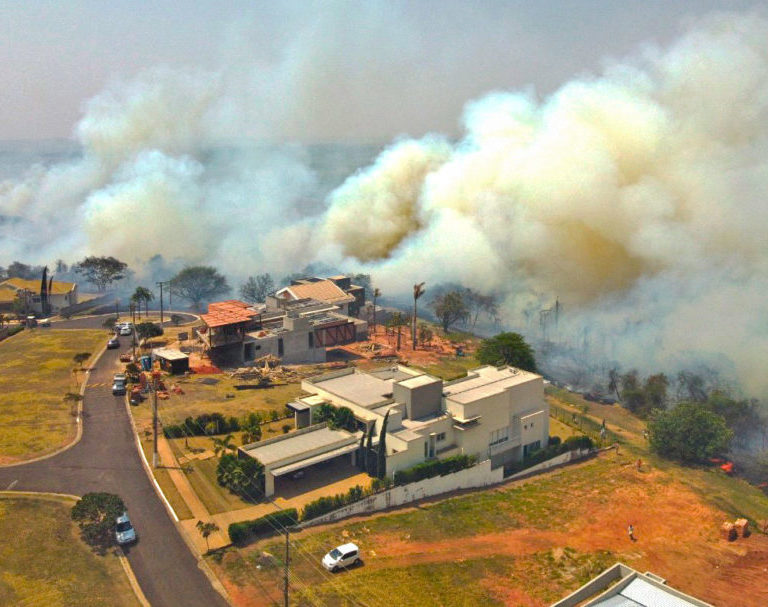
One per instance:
(492, 413)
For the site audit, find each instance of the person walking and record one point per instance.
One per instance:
(631, 532)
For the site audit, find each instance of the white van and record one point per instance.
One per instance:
(343, 556)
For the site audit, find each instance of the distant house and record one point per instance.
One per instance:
(622, 586)
(336, 290)
(296, 331)
(496, 414)
(61, 295)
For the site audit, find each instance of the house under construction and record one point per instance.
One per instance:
(294, 330)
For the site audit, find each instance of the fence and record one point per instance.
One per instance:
(585, 424)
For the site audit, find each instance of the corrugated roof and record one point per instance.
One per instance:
(322, 290)
(230, 312)
(57, 288)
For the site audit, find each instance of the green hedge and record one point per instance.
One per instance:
(555, 448)
(197, 426)
(324, 505)
(243, 531)
(14, 330)
(435, 467)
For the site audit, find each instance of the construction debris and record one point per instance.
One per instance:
(728, 532)
(742, 527)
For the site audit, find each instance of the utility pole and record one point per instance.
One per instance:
(117, 309)
(160, 283)
(285, 570)
(154, 422)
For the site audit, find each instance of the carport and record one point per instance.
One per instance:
(298, 450)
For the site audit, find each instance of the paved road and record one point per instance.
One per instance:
(106, 459)
(95, 322)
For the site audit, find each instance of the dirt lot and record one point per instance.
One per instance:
(562, 528)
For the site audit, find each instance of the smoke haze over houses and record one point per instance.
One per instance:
(635, 189)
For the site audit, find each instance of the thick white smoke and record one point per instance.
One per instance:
(639, 197)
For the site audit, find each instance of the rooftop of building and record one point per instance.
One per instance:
(230, 312)
(363, 389)
(33, 285)
(486, 381)
(299, 443)
(321, 290)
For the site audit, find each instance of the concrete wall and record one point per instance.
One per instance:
(559, 460)
(480, 475)
(420, 401)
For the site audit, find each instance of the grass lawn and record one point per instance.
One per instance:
(35, 373)
(558, 428)
(43, 561)
(200, 397)
(451, 367)
(166, 484)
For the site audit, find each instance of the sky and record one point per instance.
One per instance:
(327, 71)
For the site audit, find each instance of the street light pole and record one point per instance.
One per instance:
(285, 570)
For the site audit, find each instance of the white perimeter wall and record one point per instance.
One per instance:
(480, 475)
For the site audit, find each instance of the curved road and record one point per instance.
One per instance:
(106, 459)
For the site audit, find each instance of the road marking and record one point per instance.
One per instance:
(11, 486)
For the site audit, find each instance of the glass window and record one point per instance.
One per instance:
(441, 437)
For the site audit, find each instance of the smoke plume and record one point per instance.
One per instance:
(638, 197)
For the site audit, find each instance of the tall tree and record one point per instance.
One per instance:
(450, 308)
(368, 449)
(397, 321)
(101, 271)
(45, 306)
(256, 289)
(197, 284)
(418, 291)
(613, 382)
(376, 295)
(690, 433)
(507, 349)
(142, 295)
(96, 513)
(22, 270)
(381, 459)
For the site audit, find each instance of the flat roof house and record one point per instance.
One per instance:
(493, 413)
(622, 586)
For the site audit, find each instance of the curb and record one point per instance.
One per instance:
(204, 567)
(58, 497)
(78, 423)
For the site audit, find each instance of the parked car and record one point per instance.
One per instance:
(118, 386)
(45, 322)
(126, 330)
(113, 343)
(124, 531)
(345, 555)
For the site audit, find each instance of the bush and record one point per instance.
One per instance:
(324, 505)
(14, 330)
(572, 443)
(554, 440)
(205, 424)
(689, 433)
(242, 476)
(435, 467)
(243, 531)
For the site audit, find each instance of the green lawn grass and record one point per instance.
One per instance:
(35, 373)
(43, 561)
(166, 483)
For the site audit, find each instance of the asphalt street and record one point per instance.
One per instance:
(106, 459)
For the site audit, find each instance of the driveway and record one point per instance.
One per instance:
(106, 459)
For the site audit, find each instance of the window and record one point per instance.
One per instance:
(441, 437)
(426, 450)
(499, 436)
(311, 337)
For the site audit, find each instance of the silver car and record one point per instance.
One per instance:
(124, 531)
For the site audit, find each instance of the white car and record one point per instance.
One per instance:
(124, 531)
(125, 330)
(345, 555)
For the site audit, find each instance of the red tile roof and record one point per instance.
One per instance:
(322, 290)
(230, 312)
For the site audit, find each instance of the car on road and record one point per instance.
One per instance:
(125, 330)
(345, 555)
(113, 343)
(124, 531)
(45, 322)
(118, 387)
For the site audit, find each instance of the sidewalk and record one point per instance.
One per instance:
(217, 539)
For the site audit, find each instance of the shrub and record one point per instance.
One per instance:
(324, 505)
(286, 428)
(14, 330)
(578, 442)
(435, 467)
(243, 477)
(204, 424)
(243, 531)
(690, 433)
(554, 440)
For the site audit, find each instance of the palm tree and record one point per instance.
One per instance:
(205, 530)
(142, 295)
(418, 291)
(376, 295)
(222, 445)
